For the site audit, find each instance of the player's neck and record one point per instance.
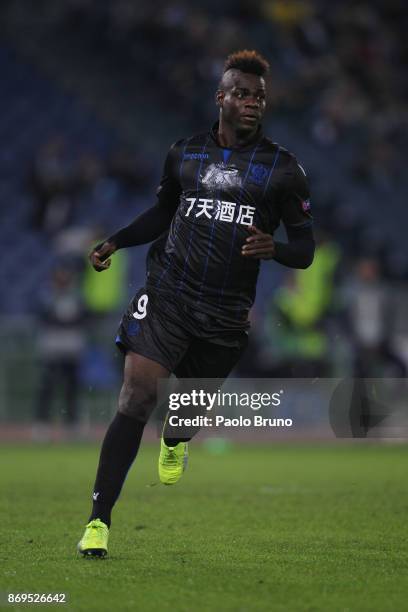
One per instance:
(230, 138)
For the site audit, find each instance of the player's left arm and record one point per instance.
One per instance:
(298, 252)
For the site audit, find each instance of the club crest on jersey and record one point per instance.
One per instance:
(306, 205)
(258, 174)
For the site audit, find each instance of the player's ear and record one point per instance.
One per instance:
(219, 97)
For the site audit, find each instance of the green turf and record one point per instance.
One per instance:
(283, 528)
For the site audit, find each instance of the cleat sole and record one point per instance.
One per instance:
(93, 552)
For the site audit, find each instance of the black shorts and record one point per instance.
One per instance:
(187, 342)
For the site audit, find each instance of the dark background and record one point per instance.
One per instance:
(93, 94)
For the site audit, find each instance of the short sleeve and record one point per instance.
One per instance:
(169, 189)
(295, 197)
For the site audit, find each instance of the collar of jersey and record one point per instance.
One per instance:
(247, 147)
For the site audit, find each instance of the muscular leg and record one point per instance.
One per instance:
(121, 443)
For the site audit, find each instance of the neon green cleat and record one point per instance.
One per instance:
(172, 462)
(94, 542)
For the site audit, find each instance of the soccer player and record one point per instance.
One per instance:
(222, 195)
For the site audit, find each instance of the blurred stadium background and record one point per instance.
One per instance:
(94, 93)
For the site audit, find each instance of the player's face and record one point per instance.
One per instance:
(243, 101)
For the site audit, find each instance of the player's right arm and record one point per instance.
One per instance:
(150, 224)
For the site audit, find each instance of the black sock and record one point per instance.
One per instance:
(175, 441)
(118, 452)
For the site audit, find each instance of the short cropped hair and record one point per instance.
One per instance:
(247, 61)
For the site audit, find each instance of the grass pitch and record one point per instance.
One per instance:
(277, 528)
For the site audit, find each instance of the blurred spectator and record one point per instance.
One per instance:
(71, 244)
(53, 183)
(371, 316)
(296, 323)
(61, 341)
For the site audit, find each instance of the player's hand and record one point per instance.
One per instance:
(259, 245)
(99, 256)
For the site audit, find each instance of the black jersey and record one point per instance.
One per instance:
(216, 193)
